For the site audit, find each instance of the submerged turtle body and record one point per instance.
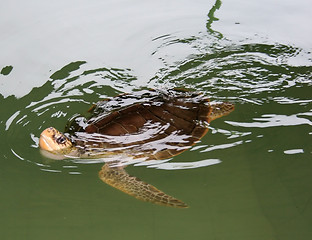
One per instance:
(149, 125)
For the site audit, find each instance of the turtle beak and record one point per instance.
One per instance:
(46, 141)
(52, 140)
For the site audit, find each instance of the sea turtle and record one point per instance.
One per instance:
(146, 125)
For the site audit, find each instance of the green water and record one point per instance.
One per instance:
(57, 58)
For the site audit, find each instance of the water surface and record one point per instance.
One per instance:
(249, 178)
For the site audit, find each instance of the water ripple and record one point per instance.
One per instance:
(274, 120)
(251, 75)
(243, 71)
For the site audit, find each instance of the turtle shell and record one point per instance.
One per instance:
(149, 124)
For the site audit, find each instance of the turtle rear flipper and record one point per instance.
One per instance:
(118, 178)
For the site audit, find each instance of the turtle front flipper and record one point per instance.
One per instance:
(118, 178)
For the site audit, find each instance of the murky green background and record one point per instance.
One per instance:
(59, 57)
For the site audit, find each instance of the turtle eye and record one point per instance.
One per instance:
(61, 140)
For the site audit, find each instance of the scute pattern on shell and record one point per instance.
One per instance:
(177, 120)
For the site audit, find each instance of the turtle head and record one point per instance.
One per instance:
(220, 110)
(54, 142)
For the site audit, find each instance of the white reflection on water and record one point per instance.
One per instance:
(122, 161)
(222, 146)
(69, 166)
(74, 173)
(287, 100)
(50, 170)
(293, 151)
(231, 134)
(178, 165)
(16, 155)
(11, 119)
(275, 120)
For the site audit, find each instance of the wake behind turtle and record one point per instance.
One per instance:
(147, 125)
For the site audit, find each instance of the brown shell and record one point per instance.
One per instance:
(157, 129)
